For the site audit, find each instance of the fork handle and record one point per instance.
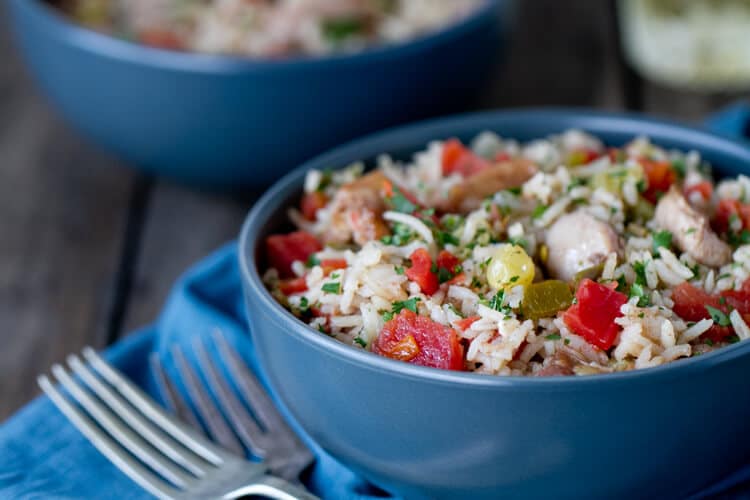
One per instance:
(272, 487)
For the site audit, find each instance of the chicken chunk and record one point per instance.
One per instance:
(468, 195)
(691, 230)
(577, 241)
(356, 211)
(559, 364)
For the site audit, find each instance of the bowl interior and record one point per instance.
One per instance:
(728, 156)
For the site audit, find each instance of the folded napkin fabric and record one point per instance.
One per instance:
(43, 456)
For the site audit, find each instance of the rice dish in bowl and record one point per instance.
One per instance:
(268, 28)
(558, 256)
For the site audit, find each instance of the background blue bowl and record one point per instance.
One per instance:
(232, 122)
(425, 433)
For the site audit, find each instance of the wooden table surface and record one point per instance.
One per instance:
(89, 248)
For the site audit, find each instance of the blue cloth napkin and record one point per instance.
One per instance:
(43, 456)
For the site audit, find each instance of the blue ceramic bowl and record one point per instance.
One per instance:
(426, 433)
(233, 122)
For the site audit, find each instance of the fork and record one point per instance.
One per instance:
(164, 456)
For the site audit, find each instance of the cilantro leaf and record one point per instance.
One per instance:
(719, 317)
(662, 239)
(333, 287)
(538, 211)
(410, 304)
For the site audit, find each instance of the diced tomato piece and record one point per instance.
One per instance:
(660, 177)
(294, 285)
(727, 209)
(421, 273)
(458, 159)
(594, 313)
(724, 212)
(459, 279)
(437, 345)
(503, 156)
(447, 261)
(161, 38)
(690, 304)
(704, 188)
(311, 203)
(739, 299)
(465, 323)
(331, 265)
(283, 249)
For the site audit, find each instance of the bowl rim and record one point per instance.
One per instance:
(260, 213)
(67, 30)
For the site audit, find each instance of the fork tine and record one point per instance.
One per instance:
(121, 433)
(210, 414)
(243, 424)
(186, 436)
(171, 395)
(259, 400)
(106, 446)
(159, 439)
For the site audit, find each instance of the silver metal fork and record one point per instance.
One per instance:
(164, 456)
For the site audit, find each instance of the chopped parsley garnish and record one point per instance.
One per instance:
(322, 329)
(733, 339)
(325, 180)
(574, 183)
(678, 166)
(641, 186)
(553, 336)
(519, 241)
(410, 304)
(719, 317)
(637, 290)
(662, 239)
(334, 276)
(312, 261)
(640, 272)
(401, 203)
(538, 211)
(387, 316)
(360, 341)
(722, 276)
(496, 302)
(337, 30)
(709, 342)
(513, 279)
(475, 283)
(333, 287)
(399, 269)
(304, 304)
(690, 230)
(445, 238)
(444, 275)
(514, 190)
(739, 239)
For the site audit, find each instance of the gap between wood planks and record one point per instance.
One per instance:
(142, 190)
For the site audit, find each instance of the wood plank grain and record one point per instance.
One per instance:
(61, 207)
(559, 54)
(183, 226)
